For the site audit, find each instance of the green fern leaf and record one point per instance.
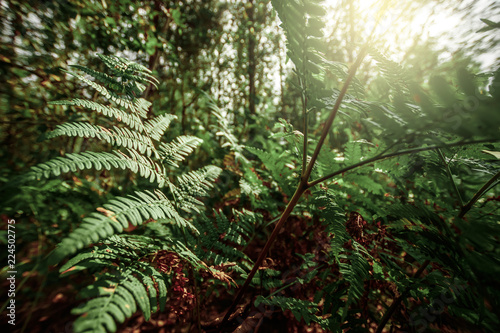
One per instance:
(156, 127)
(122, 137)
(355, 270)
(334, 219)
(117, 215)
(276, 165)
(129, 70)
(114, 298)
(137, 163)
(195, 184)
(177, 150)
(301, 309)
(130, 119)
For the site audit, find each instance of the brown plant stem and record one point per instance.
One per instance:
(301, 188)
(397, 153)
(333, 114)
(478, 195)
(450, 175)
(263, 253)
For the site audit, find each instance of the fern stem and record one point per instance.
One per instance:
(195, 287)
(301, 188)
(398, 153)
(304, 150)
(450, 175)
(303, 97)
(478, 195)
(288, 210)
(333, 113)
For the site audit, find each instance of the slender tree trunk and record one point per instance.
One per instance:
(251, 56)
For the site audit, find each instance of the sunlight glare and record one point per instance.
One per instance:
(400, 21)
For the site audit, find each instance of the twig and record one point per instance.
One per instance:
(478, 195)
(398, 153)
(450, 175)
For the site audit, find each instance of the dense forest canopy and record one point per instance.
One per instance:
(245, 166)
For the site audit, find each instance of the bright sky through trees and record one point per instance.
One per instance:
(403, 21)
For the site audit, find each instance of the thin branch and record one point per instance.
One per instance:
(303, 99)
(333, 114)
(263, 253)
(479, 194)
(398, 153)
(304, 150)
(450, 175)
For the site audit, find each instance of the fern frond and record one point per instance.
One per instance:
(117, 215)
(137, 163)
(198, 264)
(277, 166)
(301, 309)
(130, 119)
(303, 22)
(157, 126)
(395, 75)
(334, 219)
(354, 269)
(122, 137)
(131, 88)
(128, 280)
(141, 106)
(110, 81)
(109, 94)
(195, 184)
(115, 296)
(173, 151)
(224, 130)
(236, 232)
(129, 70)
